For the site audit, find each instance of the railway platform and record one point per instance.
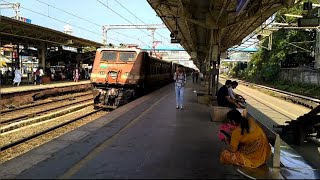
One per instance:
(13, 96)
(7, 89)
(147, 138)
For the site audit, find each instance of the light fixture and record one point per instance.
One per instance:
(293, 15)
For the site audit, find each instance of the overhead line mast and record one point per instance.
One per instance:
(14, 6)
(150, 27)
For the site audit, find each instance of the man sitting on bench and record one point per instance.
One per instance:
(248, 145)
(236, 97)
(223, 97)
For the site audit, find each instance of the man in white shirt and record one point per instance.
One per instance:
(236, 97)
(41, 73)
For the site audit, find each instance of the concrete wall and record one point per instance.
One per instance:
(300, 75)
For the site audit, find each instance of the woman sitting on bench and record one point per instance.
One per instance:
(249, 146)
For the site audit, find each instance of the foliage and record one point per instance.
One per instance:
(305, 89)
(289, 46)
(89, 49)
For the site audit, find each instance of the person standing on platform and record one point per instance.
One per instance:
(76, 75)
(193, 75)
(180, 81)
(41, 73)
(17, 76)
(35, 75)
(197, 75)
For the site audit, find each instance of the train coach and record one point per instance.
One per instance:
(121, 74)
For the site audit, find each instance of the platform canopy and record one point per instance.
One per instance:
(15, 31)
(193, 20)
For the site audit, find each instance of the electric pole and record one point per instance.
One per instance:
(14, 6)
(151, 27)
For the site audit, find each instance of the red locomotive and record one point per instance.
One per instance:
(121, 74)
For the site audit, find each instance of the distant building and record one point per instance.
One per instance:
(68, 29)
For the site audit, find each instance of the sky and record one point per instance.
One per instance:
(92, 15)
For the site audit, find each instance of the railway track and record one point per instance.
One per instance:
(308, 102)
(20, 114)
(48, 101)
(35, 123)
(22, 131)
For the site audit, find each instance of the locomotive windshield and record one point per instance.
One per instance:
(127, 56)
(109, 56)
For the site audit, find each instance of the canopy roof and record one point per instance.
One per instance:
(193, 20)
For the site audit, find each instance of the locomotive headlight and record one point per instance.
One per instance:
(128, 75)
(102, 74)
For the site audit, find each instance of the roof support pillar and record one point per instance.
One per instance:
(42, 55)
(317, 50)
(214, 61)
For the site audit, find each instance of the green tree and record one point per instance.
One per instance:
(287, 45)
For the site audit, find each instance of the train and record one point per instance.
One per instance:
(122, 74)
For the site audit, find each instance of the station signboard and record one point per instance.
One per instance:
(25, 19)
(309, 22)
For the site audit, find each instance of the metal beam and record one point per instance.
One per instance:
(223, 9)
(188, 27)
(268, 11)
(171, 28)
(182, 16)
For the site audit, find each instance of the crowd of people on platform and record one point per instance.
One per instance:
(196, 75)
(69, 73)
(247, 144)
(35, 75)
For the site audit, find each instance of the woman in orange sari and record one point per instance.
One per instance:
(249, 145)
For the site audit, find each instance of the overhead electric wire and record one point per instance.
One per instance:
(69, 13)
(254, 35)
(124, 19)
(143, 22)
(49, 5)
(82, 18)
(61, 21)
(136, 17)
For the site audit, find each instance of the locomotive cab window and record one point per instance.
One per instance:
(109, 56)
(127, 56)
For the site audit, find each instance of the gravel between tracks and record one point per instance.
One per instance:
(50, 99)
(35, 142)
(46, 107)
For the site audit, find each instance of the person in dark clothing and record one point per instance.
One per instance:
(224, 98)
(197, 76)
